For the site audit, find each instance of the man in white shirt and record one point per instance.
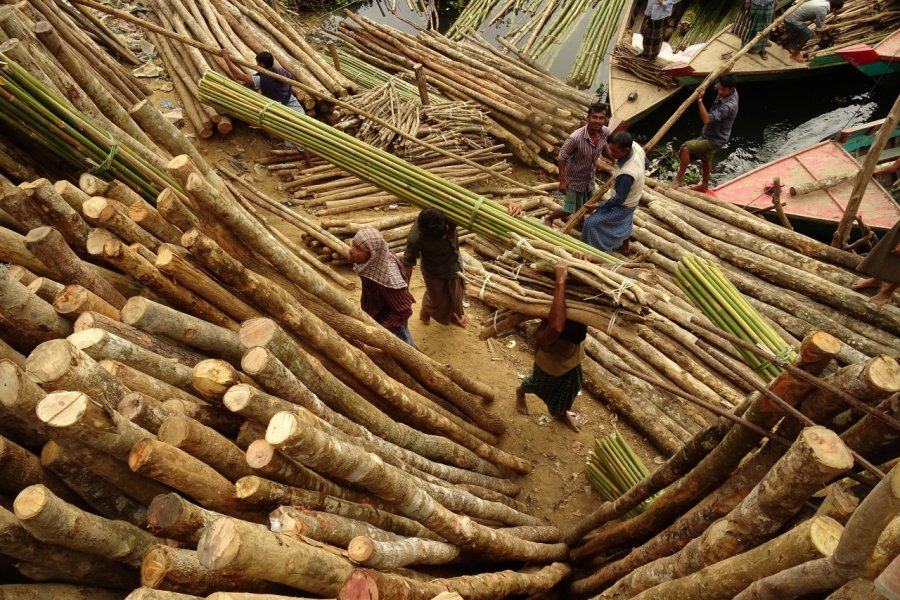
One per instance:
(796, 28)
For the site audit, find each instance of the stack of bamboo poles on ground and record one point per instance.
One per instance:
(733, 519)
(529, 110)
(237, 389)
(859, 22)
(244, 27)
(369, 76)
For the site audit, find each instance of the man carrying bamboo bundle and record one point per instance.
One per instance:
(556, 375)
(577, 162)
(434, 239)
(796, 28)
(268, 86)
(609, 227)
(385, 292)
(717, 122)
(654, 27)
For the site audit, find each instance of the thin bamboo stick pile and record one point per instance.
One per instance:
(627, 57)
(529, 110)
(699, 26)
(368, 76)
(473, 15)
(857, 23)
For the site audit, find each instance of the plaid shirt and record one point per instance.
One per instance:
(391, 307)
(581, 155)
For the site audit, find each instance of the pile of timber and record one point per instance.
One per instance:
(859, 22)
(225, 372)
(244, 27)
(530, 111)
(804, 513)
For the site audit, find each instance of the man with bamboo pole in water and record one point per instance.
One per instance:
(556, 376)
(268, 86)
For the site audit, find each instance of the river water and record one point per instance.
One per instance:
(776, 118)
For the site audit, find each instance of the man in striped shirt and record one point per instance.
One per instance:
(577, 161)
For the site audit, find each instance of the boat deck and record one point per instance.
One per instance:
(647, 96)
(889, 48)
(827, 159)
(710, 58)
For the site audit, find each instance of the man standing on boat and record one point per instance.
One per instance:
(796, 28)
(759, 16)
(577, 161)
(609, 227)
(717, 122)
(654, 27)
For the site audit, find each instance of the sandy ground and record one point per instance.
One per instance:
(556, 489)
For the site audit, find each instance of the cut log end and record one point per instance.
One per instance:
(260, 453)
(825, 533)
(359, 586)
(258, 332)
(883, 373)
(174, 431)
(154, 567)
(237, 398)
(87, 338)
(282, 427)
(164, 512)
(827, 447)
(62, 409)
(219, 544)
(31, 501)
(821, 346)
(50, 361)
(133, 310)
(361, 548)
(140, 454)
(247, 487)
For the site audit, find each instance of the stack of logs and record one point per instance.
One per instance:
(530, 110)
(245, 28)
(859, 22)
(166, 359)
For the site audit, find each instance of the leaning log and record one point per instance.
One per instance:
(19, 469)
(260, 553)
(161, 346)
(74, 300)
(58, 365)
(51, 520)
(168, 568)
(35, 319)
(395, 554)
(207, 444)
(171, 516)
(55, 591)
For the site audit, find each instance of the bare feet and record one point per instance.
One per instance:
(676, 183)
(864, 283)
(573, 420)
(424, 317)
(881, 298)
(798, 57)
(459, 320)
(521, 404)
(700, 188)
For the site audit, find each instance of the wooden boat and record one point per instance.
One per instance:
(875, 61)
(830, 158)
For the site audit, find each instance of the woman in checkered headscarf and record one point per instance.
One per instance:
(385, 291)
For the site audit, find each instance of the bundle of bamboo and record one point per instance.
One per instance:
(613, 468)
(859, 22)
(699, 26)
(600, 31)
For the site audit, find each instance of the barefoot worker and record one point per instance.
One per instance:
(717, 122)
(796, 26)
(577, 162)
(882, 265)
(556, 375)
(268, 86)
(610, 225)
(385, 292)
(434, 239)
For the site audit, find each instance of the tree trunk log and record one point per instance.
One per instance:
(99, 344)
(331, 529)
(46, 289)
(815, 354)
(207, 444)
(395, 554)
(174, 211)
(136, 266)
(165, 133)
(77, 416)
(74, 300)
(857, 589)
(171, 516)
(839, 503)
(161, 346)
(81, 568)
(181, 471)
(869, 382)
(267, 334)
(146, 593)
(58, 365)
(815, 459)
(257, 552)
(48, 245)
(19, 469)
(55, 591)
(265, 494)
(364, 584)
(191, 277)
(103, 497)
(51, 520)
(56, 212)
(870, 435)
(179, 569)
(212, 378)
(849, 559)
(822, 184)
(808, 541)
(394, 486)
(138, 381)
(35, 320)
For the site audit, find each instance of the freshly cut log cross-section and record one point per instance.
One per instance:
(58, 365)
(51, 520)
(75, 414)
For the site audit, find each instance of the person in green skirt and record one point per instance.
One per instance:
(556, 375)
